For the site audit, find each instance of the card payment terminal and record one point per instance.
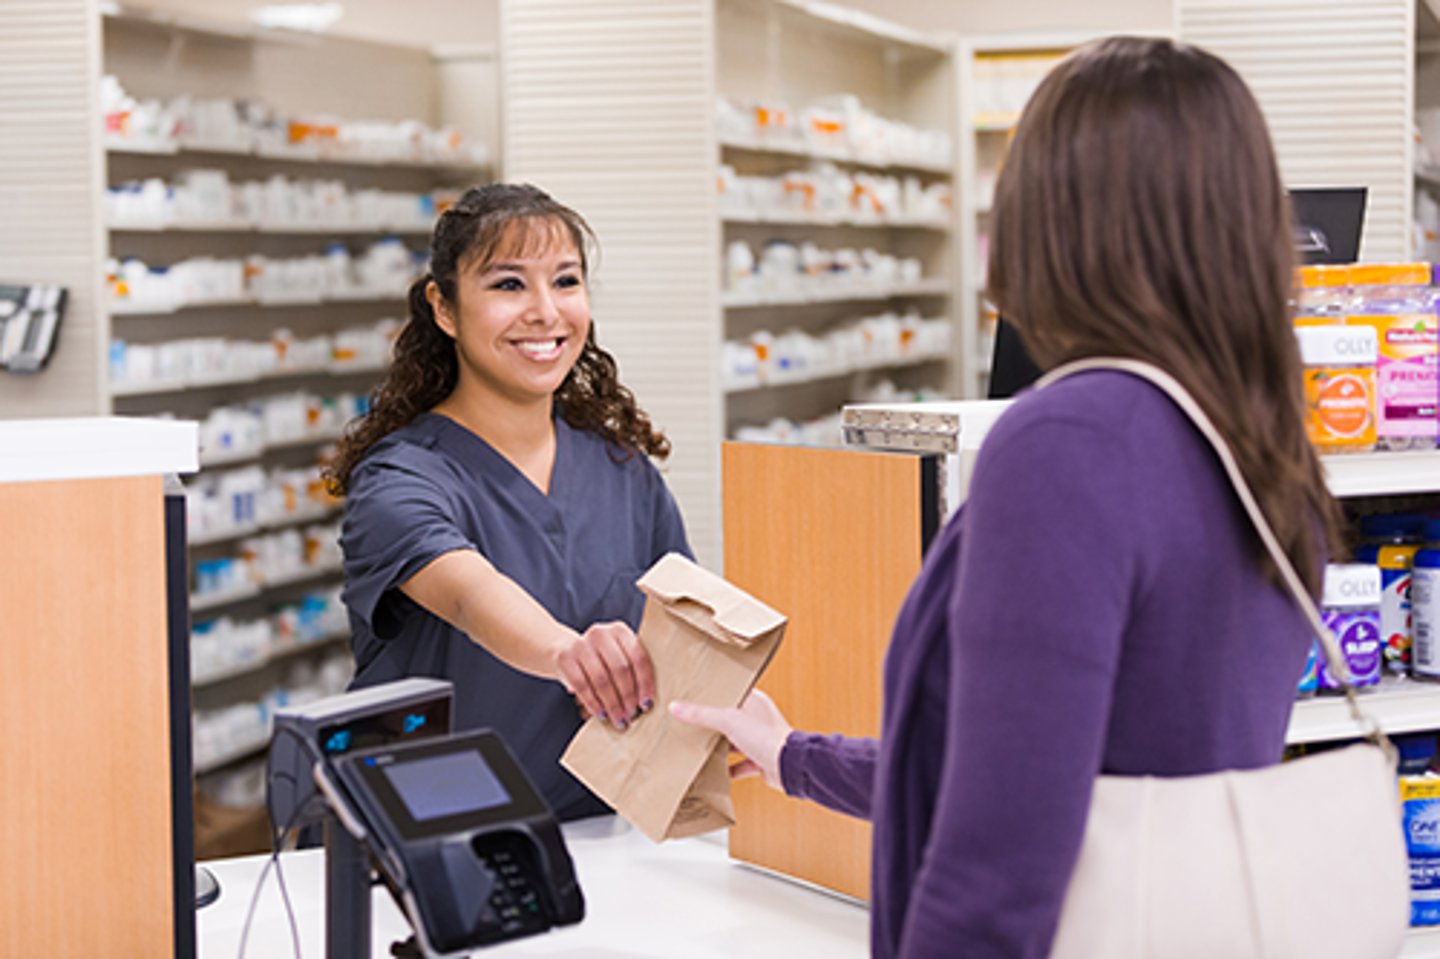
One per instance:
(469, 849)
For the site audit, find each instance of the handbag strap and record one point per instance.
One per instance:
(1334, 658)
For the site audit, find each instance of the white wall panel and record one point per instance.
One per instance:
(610, 106)
(1336, 81)
(50, 176)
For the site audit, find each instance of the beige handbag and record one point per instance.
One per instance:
(1305, 859)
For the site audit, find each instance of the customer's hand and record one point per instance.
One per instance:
(757, 729)
(609, 672)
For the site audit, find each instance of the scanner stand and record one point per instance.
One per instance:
(347, 893)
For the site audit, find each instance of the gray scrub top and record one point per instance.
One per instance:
(433, 487)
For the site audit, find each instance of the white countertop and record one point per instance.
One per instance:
(91, 448)
(642, 901)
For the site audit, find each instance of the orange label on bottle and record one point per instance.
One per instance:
(1340, 406)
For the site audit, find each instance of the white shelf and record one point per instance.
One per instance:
(299, 298)
(121, 308)
(365, 296)
(221, 535)
(273, 656)
(1383, 474)
(302, 575)
(158, 387)
(201, 602)
(296, 518)
(166, 226)
(933, 287)
(893, 363)
(149, 146)
(228, 457)
(261, 226)
(1423, 942)
(245, 456)
(221, 147)
(996, 124)
(124, 308)
(154, 388)
(143, 146)
(244, 751)
(834, 154)
(788, 218)
(310, 439)
(857, 24)
(1399, 705)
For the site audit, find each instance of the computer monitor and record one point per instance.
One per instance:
(1328, 224)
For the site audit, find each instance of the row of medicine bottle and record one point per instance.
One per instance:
(1384, 607)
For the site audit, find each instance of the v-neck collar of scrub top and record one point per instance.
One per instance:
(478, 456)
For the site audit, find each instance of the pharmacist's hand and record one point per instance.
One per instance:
(608, 670)
(757, 729)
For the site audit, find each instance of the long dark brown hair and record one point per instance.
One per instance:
(1140, 214)
(425, 367)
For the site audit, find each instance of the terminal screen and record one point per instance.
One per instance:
(449, 784)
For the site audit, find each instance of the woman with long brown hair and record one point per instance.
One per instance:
(1100, 605)
(500, 498)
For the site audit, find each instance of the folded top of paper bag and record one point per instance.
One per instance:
(707, 602)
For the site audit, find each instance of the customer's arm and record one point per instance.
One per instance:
(1036, 620)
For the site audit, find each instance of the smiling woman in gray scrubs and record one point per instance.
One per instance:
(500, 497)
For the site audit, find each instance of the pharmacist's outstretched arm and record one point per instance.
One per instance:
(606, 667)
(836, 771)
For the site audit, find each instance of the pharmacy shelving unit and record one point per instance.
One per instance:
(1338, 83)
(624, 128)
(1402, 706)
(996, 75)
(794, 54)
(163, 57)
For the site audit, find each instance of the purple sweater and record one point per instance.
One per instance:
(1094, 608)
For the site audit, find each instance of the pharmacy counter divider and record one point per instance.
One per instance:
(680, 898)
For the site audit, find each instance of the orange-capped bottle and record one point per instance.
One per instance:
(1322, 295)
(1339, 371)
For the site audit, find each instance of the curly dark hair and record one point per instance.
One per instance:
(425, 367)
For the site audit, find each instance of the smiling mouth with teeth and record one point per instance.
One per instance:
(539, 347)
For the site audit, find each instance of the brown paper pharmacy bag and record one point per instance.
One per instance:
(709, 643)
(1304, 860)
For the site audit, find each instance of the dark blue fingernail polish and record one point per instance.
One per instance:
(647, 705)
(620, 724)
(602, 717)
